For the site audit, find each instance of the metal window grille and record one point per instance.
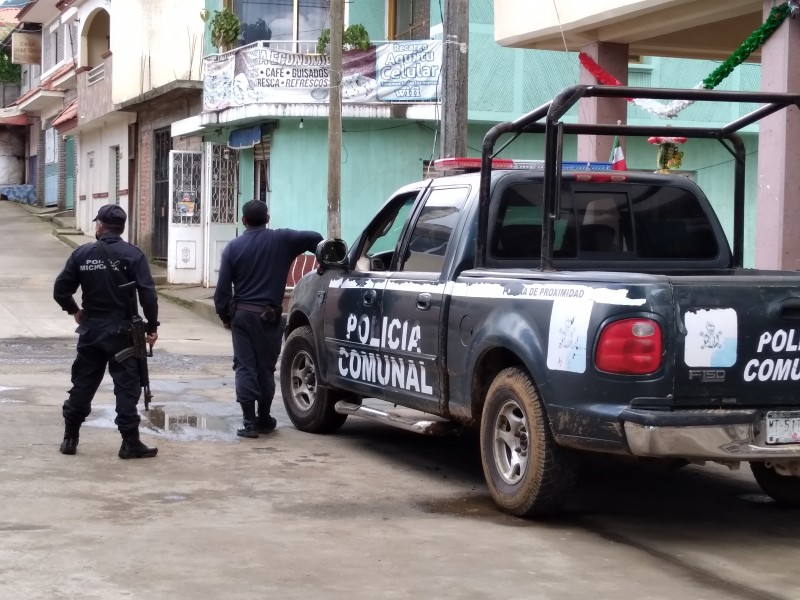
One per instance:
(186, 179)
(224, 184)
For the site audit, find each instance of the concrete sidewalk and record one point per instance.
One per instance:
(197, 298)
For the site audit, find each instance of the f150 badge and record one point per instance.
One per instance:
(707, 375)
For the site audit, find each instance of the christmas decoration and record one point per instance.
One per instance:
(754, 41)
(669, 155)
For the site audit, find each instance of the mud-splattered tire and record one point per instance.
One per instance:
(784, 489)
(309, 405)
(527, 473)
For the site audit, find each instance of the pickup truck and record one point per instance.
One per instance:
(559, 311)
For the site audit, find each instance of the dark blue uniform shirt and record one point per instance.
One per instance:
(256, 264)
(86, 268)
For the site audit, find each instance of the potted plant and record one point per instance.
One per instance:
(355, 37)
(225, 29)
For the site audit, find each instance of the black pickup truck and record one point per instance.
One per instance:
(559, 311)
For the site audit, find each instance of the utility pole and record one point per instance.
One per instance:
(335, 121)
(454, 92)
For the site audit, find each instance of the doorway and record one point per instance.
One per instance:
(162, 145)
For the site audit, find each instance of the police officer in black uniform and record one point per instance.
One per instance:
(257, 264)
(104, 325)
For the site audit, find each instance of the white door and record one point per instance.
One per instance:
(185, 233)
(222, 206)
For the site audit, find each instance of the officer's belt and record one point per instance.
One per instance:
(105, 314)
(255, 308)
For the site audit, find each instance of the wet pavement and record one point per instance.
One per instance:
(368, 512)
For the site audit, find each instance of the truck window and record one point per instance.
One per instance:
(383, 236)
(431, 234)
(604, 222)
(671, 224)
(517, 233)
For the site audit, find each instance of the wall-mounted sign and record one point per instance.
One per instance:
(406, 71)
(26, 48)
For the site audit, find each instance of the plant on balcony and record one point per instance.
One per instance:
(225, 29)
(355, 37)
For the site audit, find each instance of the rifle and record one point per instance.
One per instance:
(139, 348)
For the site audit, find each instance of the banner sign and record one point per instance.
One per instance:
(408, 71)
(26, 48)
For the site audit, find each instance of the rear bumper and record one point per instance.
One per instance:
(726, 435)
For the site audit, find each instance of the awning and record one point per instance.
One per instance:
(62, 121)
(247, 137)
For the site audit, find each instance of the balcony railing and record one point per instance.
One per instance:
(96, 74)
(296, 46)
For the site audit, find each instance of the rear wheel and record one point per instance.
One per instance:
(784, 489)
(527, 473)
(309, 405)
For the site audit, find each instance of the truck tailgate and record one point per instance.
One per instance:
(738, 339)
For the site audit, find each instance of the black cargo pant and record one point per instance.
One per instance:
(99, 341)
(256, 345)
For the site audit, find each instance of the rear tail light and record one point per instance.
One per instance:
(630, 347)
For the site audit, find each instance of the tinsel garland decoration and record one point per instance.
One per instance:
(754, 41)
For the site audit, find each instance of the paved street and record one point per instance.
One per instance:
(369, 512)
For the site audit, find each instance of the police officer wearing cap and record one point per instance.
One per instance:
(256, 265)
(104, 325)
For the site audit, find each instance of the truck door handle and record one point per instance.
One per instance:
(369, 297)
(423, 301)
(790, 309)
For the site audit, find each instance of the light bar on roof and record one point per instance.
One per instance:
(474, 164)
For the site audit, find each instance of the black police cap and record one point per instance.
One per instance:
(111, 214)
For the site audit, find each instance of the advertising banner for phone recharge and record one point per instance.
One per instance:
(407, 71)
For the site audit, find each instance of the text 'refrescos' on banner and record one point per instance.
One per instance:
(408, 71)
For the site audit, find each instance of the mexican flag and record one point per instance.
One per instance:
(617, 158)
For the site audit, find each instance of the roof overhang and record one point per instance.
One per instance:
(710, 29)
(239, 116)
(170, 92)
(42, 100)
(38, 11)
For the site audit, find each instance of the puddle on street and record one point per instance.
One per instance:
(200, 421)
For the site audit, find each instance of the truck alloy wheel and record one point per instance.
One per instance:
(309, 405)
(527, 473)
(784, 489)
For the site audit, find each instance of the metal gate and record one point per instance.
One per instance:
(162, 144)
(222, 173)
(185, 256)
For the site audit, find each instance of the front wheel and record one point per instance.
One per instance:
(784, 489)
(309, 406)
(527, 473)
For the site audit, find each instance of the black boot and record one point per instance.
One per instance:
(264, 421)
(132, 446)
(70, 443)
(249, 426)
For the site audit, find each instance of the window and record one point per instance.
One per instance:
(383, 237)
(518, 229)
(281, 20)
(604, 222)
(409, 19)
(670, 224)
(431, 235)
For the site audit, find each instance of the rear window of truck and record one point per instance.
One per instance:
(634, 221)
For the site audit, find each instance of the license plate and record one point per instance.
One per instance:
(783, 427)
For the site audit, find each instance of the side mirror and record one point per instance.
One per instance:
(332, 253)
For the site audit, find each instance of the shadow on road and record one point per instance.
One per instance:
(706, 500)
